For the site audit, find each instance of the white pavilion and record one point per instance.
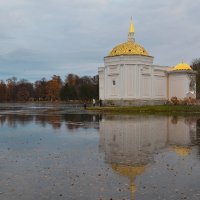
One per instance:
(129, 77)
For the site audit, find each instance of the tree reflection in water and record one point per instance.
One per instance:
(71, 121)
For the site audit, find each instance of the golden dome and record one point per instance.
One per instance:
(182, 66)
(128, 48)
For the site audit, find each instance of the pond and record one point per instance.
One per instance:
(58, 151)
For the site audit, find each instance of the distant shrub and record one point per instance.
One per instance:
(174, 100)
(190, 101)
(185, 101)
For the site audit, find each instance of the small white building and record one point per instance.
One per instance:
(129, 77)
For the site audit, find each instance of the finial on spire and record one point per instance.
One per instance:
(131, 32)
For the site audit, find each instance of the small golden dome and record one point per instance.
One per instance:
(182, 66)
(128, 48)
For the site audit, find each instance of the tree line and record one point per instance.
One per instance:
(72, 88)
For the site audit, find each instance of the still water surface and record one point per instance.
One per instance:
(50, 152)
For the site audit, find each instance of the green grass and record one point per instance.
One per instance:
(168, 109)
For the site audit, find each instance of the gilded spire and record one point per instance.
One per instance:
(131, 32)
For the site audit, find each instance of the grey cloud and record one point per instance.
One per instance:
(4, 37)
(51, 36)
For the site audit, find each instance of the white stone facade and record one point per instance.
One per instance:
(180, 84)
(134, 77)
(130, 75)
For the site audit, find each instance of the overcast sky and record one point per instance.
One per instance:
(40, 38)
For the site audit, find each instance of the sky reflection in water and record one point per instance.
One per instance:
(64, 155)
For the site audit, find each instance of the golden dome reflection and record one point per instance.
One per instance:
(182, 151)
(130, 172)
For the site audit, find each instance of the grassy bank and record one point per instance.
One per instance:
(168, 109)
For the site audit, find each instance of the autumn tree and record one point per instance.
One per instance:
(86, 88)
(2, 91)
(69, 90)
(80, 88)
(72, 79)
(89, 87)
(196, 67)
(24, 90)
(41, 89)
(53, 88)
(95, 81)
(74, 88)
(11, 89)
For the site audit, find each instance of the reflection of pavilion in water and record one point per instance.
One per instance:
(129, 142)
